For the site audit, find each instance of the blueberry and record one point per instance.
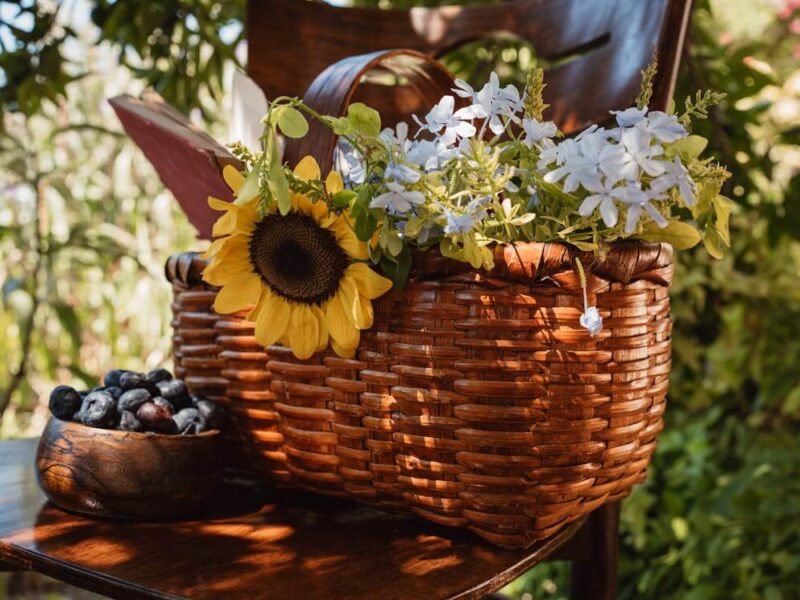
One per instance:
(130, 380)
(64, 402)
(112, 377)
(115, 391)
(164, 403)
(129, 422)
(133, 399)
(175, 391)
(155, 418)
(99, 410)
(190, 421)
(210, 412)
(98, 388)
(157, 375)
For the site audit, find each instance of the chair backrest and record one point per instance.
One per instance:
(603, 44)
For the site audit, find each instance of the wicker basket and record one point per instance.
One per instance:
(476, 400)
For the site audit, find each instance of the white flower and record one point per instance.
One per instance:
(578, 171)
(592, 320)
(395, 137)
(455, 124)
(492, 102)
(465, 90)
(430, 155)
(458, 223)
(676, 176)
(608, 157)
(640, 153)
(535, 131)
(398, 200)
(476, 205)
(665, 128)
(638, 200)
(424, 233)
(551, 153)
(348, 162)
(604, 196)
(630, 116)
(401, 173)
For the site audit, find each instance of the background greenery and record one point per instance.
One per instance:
(85, 227)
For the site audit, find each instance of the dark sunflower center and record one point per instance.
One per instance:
(299, 260)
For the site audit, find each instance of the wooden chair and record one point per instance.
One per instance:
(601, 46)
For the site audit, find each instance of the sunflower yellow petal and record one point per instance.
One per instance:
(302, 204)
(351, 302)
(303, 331)
(239, 293)
(321, 213)
(323, 337)
(272, 319)
(346, 238)
(344, 351)
(233, 178)
(307, 168)
(234, 251)
(213, 248)
(218, 204)
(366, 311)
(225, 225)
(341, 323)
(334, 182)
(369, 282)
(220, 274)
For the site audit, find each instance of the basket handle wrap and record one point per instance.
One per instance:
(333, 89)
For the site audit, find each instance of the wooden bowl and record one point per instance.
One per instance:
(126, 475)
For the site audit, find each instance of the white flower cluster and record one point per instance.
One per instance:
(612, 164)
(608, 169)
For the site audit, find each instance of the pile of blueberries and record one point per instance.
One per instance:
(131, 401)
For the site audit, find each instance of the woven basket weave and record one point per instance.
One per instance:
(477, 398)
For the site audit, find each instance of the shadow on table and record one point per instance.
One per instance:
(294, 545)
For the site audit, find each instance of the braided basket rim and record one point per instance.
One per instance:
(526, 262)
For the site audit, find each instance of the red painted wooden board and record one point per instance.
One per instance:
(187, 159)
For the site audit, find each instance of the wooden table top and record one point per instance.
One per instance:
(293, 546)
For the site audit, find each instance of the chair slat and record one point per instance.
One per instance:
(292, 41)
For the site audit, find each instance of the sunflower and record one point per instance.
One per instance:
(301, 276)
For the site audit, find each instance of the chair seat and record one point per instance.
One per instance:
(287, 545)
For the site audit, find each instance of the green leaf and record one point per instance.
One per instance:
(681, 235)
(680, 528)
(277, 182)
(365, 226)
(397, 269)
(364, 120)
(689, 148)
(341, 126)
(344, 198)
(585, 246)
(722, 208)
(523, 219)
(450, 249)
(292, 122)
(249, 189)
(394, 243)
(713, 244)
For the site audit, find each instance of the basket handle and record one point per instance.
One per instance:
(333, 89)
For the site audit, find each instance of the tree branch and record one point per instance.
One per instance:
(19, 374)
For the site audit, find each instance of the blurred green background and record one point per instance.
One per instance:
(85, 227)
